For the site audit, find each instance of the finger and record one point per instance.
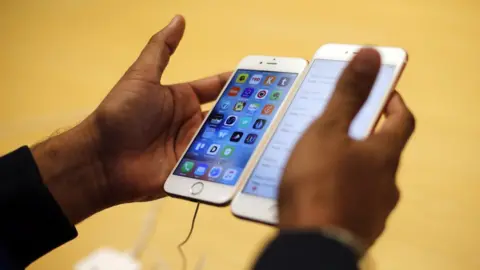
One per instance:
(207, 89)
(155, 56)
(398, 125)
(205, 114)
(352, 89)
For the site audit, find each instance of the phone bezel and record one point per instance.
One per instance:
(264, 209)
(217, 193)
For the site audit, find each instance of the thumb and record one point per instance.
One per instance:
(352, 89)
(155, 56)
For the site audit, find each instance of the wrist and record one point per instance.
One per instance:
(71, 170)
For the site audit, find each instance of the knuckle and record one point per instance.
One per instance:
(396, 195)
(410, 120)
(158, 37)
(394, 198)
(135, 73)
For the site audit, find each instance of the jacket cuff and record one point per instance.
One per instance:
(306, 250)
(33, 223)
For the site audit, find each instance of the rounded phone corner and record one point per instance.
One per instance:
(167, 185)
(405, 54)
(321, 48)
(305, 63)
(234, 207)
(249, 59)
(223, 202)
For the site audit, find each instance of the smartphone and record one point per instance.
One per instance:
(258, 196)
(213, 164)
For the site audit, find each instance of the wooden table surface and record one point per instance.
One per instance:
(59, 59)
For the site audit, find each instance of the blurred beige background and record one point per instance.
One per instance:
(58, 59)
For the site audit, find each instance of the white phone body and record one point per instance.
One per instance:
(211, 168)
(257, 198)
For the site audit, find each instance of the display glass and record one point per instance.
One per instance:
(307, 105)
(226, 141)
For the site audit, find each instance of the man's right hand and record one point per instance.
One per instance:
(332, 180)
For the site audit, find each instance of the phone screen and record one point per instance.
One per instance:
(226, 141)
(308, 104)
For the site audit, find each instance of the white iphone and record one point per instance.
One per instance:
(257, 197)
(213, 164)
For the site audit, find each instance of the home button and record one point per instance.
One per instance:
(196, 188)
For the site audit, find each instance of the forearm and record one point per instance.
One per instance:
(72, 172)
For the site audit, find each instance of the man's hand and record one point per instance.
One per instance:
(332, 180)
(126, 149)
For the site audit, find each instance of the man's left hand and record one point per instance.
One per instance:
(125, 150)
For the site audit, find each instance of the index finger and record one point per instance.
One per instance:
(207, 89)
(399, 124)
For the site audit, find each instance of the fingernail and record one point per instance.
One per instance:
(174, 20)
(367, 60)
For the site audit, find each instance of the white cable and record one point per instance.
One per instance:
(160, 265)
(200, 263)
(147, 231)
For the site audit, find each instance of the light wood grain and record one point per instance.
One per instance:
(59, 59)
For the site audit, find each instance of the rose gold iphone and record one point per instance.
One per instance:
(214, 163)
(257, 197)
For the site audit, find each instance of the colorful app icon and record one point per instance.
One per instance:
(236, 136)
(213, 149)
(253, 107)
(208, 132)
(268, 109)
(199, 146)
(215, 172)
(242, 77)
(275, 95)
(247, 92)
(244, 122)
(251, 138)
(225, 105)
(259, 124)
(234, 91)
(222, 134)
(284, 81)
(201, 169)
(187, 166)
(227, 151)
(239, 106)
(230, 121)
(269, 80)
(261, 94)
(216, 118)
(256, 79)
(230, 174)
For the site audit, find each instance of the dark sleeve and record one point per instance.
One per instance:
(32, 222)
(306, 250)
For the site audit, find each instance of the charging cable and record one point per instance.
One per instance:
(179, 247)
(147, 231)
(109, 258)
